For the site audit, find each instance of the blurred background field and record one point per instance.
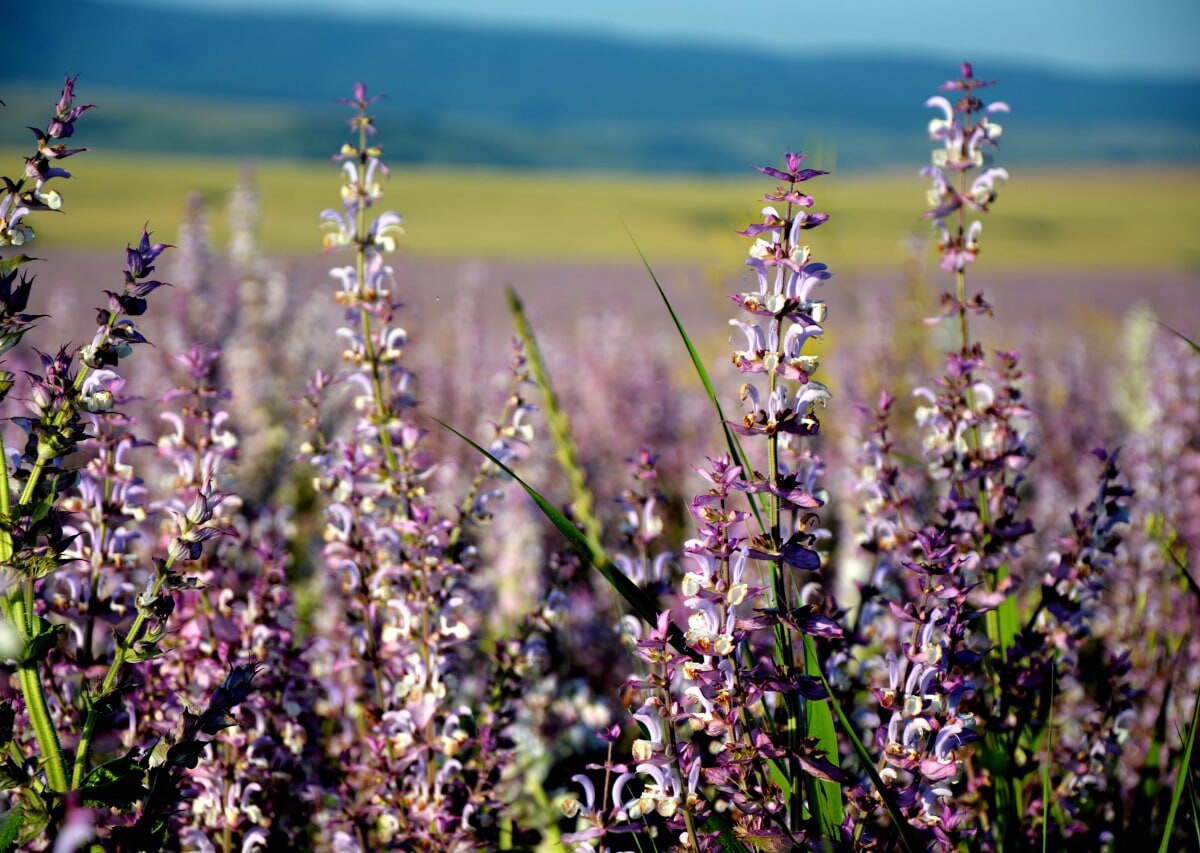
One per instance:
(1053, 218)
(532, 146)
(529, 142)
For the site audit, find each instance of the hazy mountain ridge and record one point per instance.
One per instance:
(172, 79)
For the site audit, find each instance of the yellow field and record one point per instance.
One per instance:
(1044, 219)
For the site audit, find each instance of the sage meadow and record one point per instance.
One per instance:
(280, 583)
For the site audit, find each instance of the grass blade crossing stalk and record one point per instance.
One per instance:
(1195, 346)
(639, 600)
(731, 440)
(1181, 777)
(1170, 554)
(559, 425)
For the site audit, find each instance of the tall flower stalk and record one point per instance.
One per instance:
(736, 735)
(963, 182)
(419, 768)
(72, 676)
(967, 694)
(18, 536)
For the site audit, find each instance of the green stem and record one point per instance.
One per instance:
(783, 637)
(34, 692)
(110, 680)
(18, 610)
(360, 269)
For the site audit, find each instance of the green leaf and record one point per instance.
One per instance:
(7, 265)
(35, 817)
(639, 600)
(143, 652)
(36, 567)
(1002, 622)
(819, 719)
(42, 508)
(115, 783)
(186, 753)
(724, 828)
(10, 827)
(38, 647)
(1182, 566)
(906, 840)
(1181, 336)
(12, 776)
(731, 440)
(1181, 777)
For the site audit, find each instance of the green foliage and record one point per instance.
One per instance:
(117, 783)
(868, 764)
(732, 442)
(825, 793)
(1195, 346)
(1183, 777)
(40, 644)
(10, 828)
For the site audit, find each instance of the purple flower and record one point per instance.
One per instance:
(139, 262)
(65, 116)
(793, 174)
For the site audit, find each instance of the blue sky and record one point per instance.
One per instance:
(1098, 36)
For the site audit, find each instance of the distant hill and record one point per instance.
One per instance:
(171, 79)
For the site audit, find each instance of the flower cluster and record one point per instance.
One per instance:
(371, 651)
(86, 605)
(966, 133)
(710, 693)
(30, 193)
(975, 666)
(420, 768)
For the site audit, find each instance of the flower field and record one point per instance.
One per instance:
(400, 563)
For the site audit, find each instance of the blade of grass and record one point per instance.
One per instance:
(739, 456)
(583, 504)
(826, 795)
(1180, 335)
(1182, 566)
(639, 600)
(731, 440)
(1181, 777)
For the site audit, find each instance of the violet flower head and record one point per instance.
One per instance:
(29, 193)
(794, 174)
(116, 333)
(361, 101)
(961, 175)
(139, 262)
(66, 114)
